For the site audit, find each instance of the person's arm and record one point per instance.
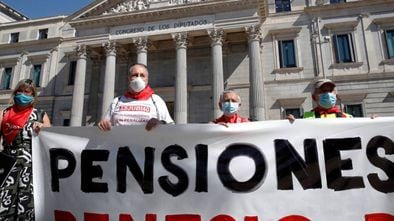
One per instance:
(153, 123)
(45, 120)
(291, 118)
(105, 124)
(45, 123)
(164, 115)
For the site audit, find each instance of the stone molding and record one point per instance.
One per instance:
(291, 102)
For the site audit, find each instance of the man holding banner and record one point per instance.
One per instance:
(138, 105)
(229, 103)
(325, 96)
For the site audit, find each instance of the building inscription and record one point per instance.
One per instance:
(161, 27)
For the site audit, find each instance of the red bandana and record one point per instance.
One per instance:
(13, 122)
(332, 110)
(142, 95)
(231, 119)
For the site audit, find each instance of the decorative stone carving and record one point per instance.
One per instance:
(136, 5)
(254, 32)
(216, 36)
(141, 44)
(180, 39)
(129, 6)
(81, 51)
(110, 47)
(178, 2)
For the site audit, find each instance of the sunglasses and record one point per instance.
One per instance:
(29, 81)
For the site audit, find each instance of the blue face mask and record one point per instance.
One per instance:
(229, 108)
(23, 99)
(327, 100)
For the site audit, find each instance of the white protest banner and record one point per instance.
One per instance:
(321, 170)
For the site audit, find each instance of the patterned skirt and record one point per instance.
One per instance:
(16, 196)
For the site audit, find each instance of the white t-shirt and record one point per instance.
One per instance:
(128, 111)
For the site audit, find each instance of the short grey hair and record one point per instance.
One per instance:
(139, 64)
(226, 92)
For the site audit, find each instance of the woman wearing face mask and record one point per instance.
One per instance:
(18, 123)
(325, 97)
(139, 105)
(229, 103)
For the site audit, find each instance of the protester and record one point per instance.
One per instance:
(325, 97)
(18, 123)
(139, 105)
(229, 103)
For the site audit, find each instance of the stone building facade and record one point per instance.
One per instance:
(269, 51)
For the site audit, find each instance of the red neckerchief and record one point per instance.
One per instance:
(230, 119)
(145, 94)
(324, 112)
(13, 122)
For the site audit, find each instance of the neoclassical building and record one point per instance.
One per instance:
(269, 51)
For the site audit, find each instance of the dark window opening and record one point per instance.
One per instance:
(282, 5)
(43, 34)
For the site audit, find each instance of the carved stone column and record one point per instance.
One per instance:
(372, 61)
(256, 92)
(52, 70)
(141, 44)
(79, 88)
(181, 78)
(20, 70)
(217, 69)
(109, 78)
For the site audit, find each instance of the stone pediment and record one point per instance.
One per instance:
(8, 14)
(96, 8)
(121, 12)
(108, 7)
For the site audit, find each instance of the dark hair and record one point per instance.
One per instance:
(23, 85)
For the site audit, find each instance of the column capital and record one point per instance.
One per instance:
(110, 48)
(81, 51)
(254, 32)
(217, 36)
(23, 54)
(141, 44)
(55, 49)
(180, 39)
(363, 15)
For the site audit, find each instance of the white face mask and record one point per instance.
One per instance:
(137, 84)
